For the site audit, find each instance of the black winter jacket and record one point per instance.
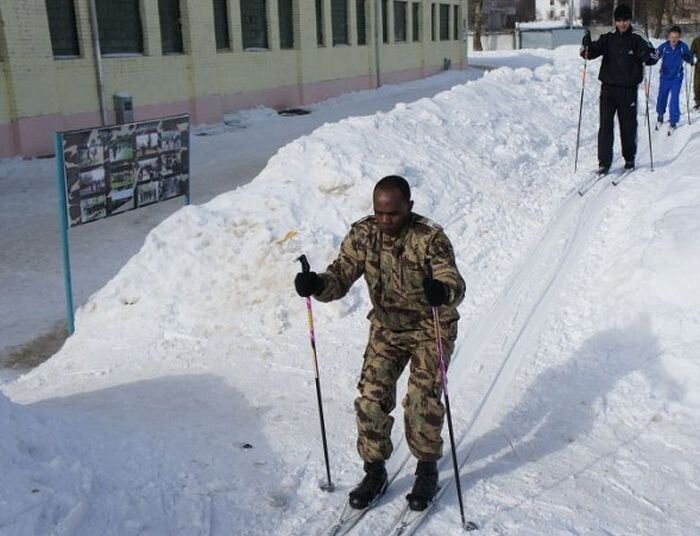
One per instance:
(624, 56)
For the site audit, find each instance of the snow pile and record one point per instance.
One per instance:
(219, 275)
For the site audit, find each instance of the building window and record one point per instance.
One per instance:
(399, 21)
(170, 28)
(320, 41)
(221, 33)
(416, 22)
(455, 10)
(286, 19)
(444, 22)
(120, 26)
(385, 21)
(339, 21)
(254, 23)
(62, 27)
(361, 22)
(433, 22)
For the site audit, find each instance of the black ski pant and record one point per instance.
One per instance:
(623, 101)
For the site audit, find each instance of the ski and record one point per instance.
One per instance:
(410, 520)
(622, 176)
(671, 130)
(591, 182)
(350, 516)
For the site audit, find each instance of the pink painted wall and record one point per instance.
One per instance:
(319, 91)
(7, 140)
(33, 136)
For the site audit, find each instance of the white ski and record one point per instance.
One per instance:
(591, 182)
(622, 176)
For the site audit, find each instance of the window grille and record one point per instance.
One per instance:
(170, 28)
(62, 27)
(361, 22)
(339, 21)
(285, 12)
(221, 32)
(399, 21)
(416, 21)
(254, 23)
(320, 41)
(444, 22)
(120, 26)
(385, 21)
(455, 11)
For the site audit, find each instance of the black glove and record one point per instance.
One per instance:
(435, 292)
(585, 45)
(308, 283)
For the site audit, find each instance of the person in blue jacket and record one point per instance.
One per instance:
(672, 54)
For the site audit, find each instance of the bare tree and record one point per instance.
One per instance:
(478, 23)
(658, 7)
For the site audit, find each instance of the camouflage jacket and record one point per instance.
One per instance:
(394, 269)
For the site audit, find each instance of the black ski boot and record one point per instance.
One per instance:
(425, 487)
(372, 486)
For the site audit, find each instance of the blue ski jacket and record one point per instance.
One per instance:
(672, 60)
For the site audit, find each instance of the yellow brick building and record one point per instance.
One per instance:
(204, 57)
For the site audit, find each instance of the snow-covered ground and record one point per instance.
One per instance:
(185, 402)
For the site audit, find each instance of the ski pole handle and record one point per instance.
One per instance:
(305, 267)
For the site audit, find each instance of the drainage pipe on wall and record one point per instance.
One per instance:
(377, 36)
(98, 61)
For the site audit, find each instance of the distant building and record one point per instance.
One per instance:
(205, 57)
(560, 10)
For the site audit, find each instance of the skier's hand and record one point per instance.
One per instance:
(435, 292)
(308, 283)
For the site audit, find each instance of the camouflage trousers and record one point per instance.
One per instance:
(387, 354)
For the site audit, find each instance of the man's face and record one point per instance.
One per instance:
(623, 24)
(391, 210)
(673, 38)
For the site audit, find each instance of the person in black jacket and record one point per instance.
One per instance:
(624, 52)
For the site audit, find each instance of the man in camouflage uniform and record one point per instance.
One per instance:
(391, 249)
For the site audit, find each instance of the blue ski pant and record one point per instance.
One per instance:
(672, 87)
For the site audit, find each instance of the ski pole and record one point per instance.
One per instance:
(443, 378)
(647, 82)
(687, 94)
(580, 107)
(312, 336)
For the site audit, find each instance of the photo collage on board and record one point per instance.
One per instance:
(115, 169)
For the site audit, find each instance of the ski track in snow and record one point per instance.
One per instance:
(510, 329)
